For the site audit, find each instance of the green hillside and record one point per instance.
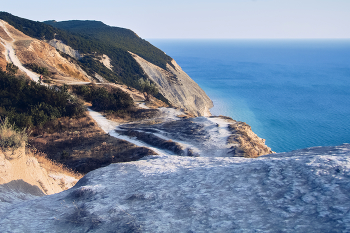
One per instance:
(116, 37)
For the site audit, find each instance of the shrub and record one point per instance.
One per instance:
(10, 137)
(38, 69)
(103, 99)
(31, 104)
(11, 68)
(148, 87)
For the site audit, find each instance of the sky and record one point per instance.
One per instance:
(200, 18)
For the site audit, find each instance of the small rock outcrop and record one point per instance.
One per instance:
(245, 142)
(65, 48)
(175, 85)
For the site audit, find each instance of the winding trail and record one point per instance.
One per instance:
(109, 127)
(213, 146)
(11, 55)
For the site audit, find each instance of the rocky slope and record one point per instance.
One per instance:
(65, 48)
(20, 49)
(177, 87)
(299, 191)
(200, 136)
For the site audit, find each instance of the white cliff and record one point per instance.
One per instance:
(175, 85)
(65, 48)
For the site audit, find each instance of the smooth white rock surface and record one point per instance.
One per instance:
(300, 191)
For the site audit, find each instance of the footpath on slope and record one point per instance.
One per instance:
(20, 170)
(109, 127)
(202, 136)
(11, 55)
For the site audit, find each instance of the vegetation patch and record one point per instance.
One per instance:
(30, 104)
(104, 98)
(116, 37)
(11, 69)
(38, 69)
(10, 137)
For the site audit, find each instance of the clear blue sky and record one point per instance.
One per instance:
(200, 18)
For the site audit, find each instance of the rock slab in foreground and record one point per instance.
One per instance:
(300, 191)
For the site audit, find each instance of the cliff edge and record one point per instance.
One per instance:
(175, 85)
(16, 164)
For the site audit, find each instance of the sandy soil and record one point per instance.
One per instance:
(19, 165)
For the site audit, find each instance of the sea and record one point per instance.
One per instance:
(293, 93)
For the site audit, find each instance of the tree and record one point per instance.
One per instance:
(148, 88)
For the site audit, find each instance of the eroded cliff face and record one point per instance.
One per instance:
(17, 165)
(175, 85)
(65, 49)
(245, 143)
(16, 45)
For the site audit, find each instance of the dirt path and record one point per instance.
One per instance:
(109, 127)
(11, 55)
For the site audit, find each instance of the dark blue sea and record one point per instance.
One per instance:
(293, 93)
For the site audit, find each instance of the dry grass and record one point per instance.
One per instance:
(82, 146)
(51, 166)
(4, 35)
(10, 137)
(133, 114)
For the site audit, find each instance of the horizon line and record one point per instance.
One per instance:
(198, 38)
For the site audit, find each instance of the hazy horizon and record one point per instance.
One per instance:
(194, 19)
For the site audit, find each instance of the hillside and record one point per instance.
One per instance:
(110, 54)
(125, 68)
(116, 37)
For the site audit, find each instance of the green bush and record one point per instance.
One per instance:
(38, 69)
(30, 104)
(148, 87)
(11, 69)
(103, 99)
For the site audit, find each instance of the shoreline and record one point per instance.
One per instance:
(268, 81)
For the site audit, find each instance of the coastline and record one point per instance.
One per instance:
(152, 168)
(294, 93)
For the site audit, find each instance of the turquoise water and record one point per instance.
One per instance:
(294, 93)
